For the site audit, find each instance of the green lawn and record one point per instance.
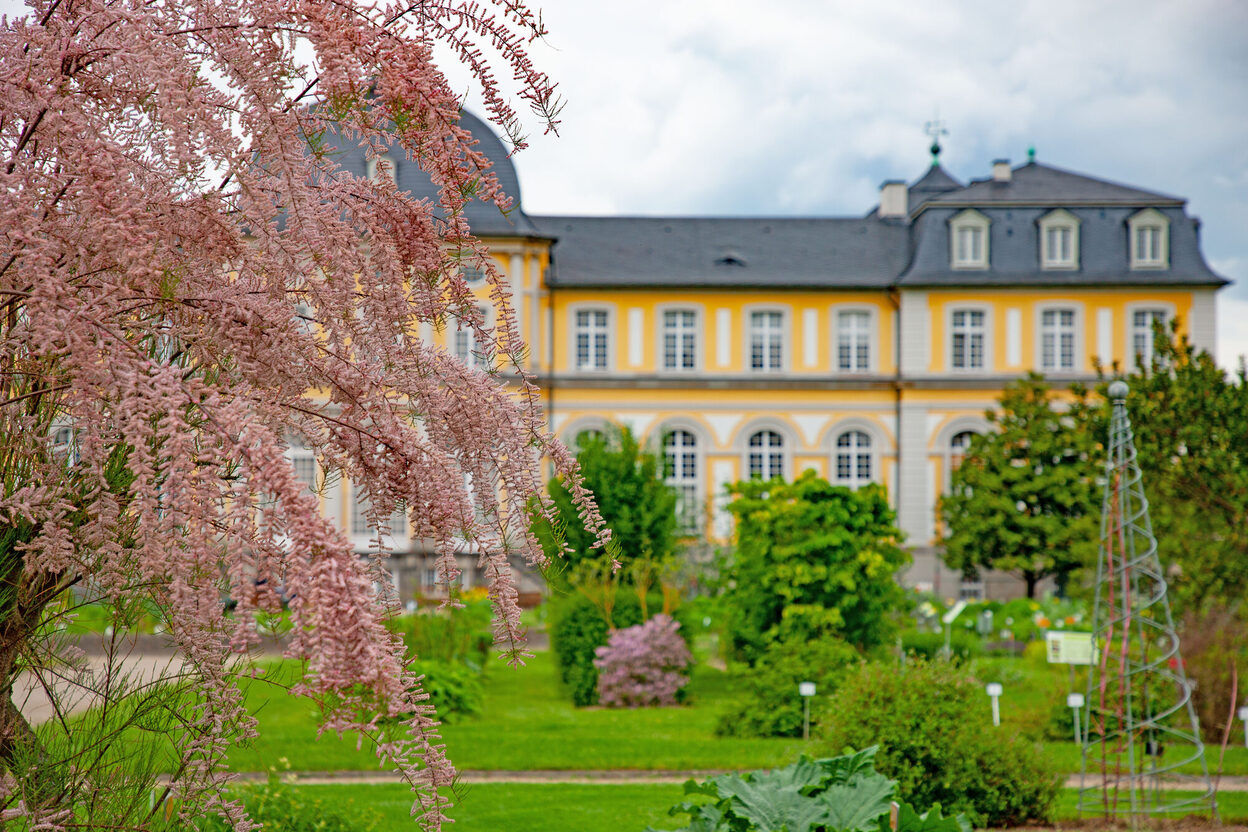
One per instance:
(528, 724)
(558, 807)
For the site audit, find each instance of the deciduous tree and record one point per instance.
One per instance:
(1026, 497)
(189, 280)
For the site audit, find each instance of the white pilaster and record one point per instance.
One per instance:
(916, 326)
(1105, 335)
(1013, 337)
(636, 328)
(1203, 327)
(810, 337)
(914, 509)
(723, 336)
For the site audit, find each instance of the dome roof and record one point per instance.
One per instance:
(484, 218)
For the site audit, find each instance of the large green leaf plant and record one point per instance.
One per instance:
(838, 794)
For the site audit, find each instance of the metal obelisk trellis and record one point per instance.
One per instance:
(1141, 726)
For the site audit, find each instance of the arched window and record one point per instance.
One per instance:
(681, 451)
(958, 446)
(853, 458)
(766, 455)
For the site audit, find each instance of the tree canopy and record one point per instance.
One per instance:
(1190, 420)
(634, 500)
(812, 559)
(191, 283)
(1026, 496)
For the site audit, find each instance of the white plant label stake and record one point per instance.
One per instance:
(806, 690)
(1074, 701)
(994, 691)
(1243, 715)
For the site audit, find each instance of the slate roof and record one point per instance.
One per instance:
(1037, 184)
(932, 184)
(483, 217)
(775, 253)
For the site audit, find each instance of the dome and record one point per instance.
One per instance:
(484, 218)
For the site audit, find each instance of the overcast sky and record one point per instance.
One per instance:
(803, 108)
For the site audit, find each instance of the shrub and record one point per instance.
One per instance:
(577, 630)
(930, 720)
(840, 794)
(452, 635)
(281, 806)
(963, 646)
(1214, 647)
(643, 665)
(812, 560)
(772, 706)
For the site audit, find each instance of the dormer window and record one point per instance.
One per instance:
(379, 168)
(1149, 235)
(1059, 240)
(968, 238)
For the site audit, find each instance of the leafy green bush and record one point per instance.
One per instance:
(772, 707)
(841, 794)
(812, 560)
(461, 635)
(282, 806)
(963, 646)
(455, 690)
(577, 629)
(931, 722)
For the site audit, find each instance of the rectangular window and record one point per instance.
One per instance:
(970, 244)
(853, 342)
(305, 469)
(360, 526)
(591, 339)
(1147, 244)
(1142, 321)
(680, 340)
(1057, 339)
(766, 341)
(1059, 246)
(464, 344)
(967, 346)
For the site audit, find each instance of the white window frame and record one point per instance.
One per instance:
(300, 454)
(698, 332)
(872, 336)
(785, 333)
(944, 441)
(377, 166)
(854, 453)
(1076, 331)
(575, 330)
(987, 331)
(358, 518)
(787, 448)
(1059, 220)
(969, 220)
(1149, 218)
(470, 353)
(1167, 309)
(690, 489)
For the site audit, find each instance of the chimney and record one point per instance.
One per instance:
(1000, 170)
(893, 200)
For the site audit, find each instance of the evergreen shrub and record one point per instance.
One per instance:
(643, 665)
(931, 721)
(772, 706)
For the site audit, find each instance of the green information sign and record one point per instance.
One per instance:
(1070, 648)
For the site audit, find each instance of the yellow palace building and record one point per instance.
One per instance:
(865, 348)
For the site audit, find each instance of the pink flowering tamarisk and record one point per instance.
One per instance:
(188, 283)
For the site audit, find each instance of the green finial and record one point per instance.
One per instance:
(1031, 155)
(935, 128)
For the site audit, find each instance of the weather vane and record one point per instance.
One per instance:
(935, 128)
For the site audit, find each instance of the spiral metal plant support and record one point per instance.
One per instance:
(1142, 727)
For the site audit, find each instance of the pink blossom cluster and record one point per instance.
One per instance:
(643, 665)
(189, 285)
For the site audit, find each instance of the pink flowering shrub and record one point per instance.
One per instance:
(643, 665)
